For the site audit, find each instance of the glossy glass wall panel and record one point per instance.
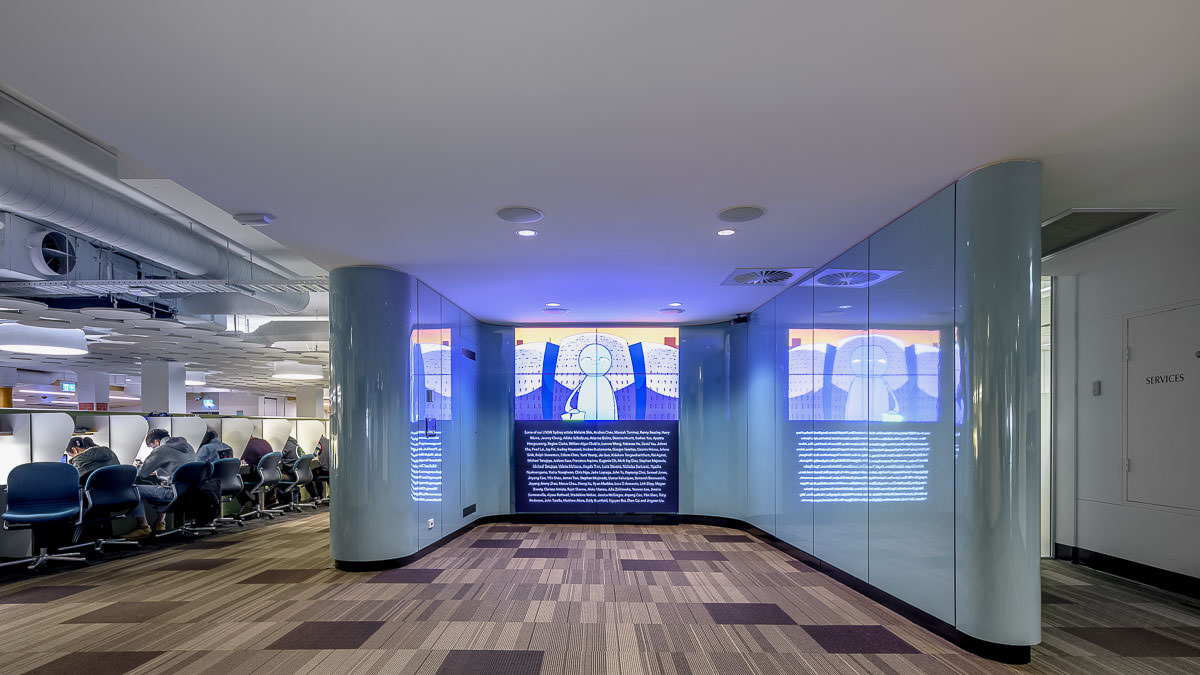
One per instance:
(910, 378)
(800, 394)
(838, 463)
(372, 315)
(712, 420)
(762, 461)
(998, 270)
(495, 435)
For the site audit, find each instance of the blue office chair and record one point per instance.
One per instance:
(42, 495)
(186, 480)
(227, 472)
(291, 489)
(109, 494)
(269, 476)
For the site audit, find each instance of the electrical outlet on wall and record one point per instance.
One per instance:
(430, 525)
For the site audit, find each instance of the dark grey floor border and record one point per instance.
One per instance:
(1167, 580)
(1014, 654)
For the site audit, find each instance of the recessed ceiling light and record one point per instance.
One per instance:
(520, 214)
(741, 214)
(254, 218)
(845, 306)
(725, 233)
(554, 304)
(527, 233)
(674, 304)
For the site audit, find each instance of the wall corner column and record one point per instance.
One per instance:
(372, 513)
(997, 293)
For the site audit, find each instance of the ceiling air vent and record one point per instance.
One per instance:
(1075, 226)
(53, 253)
(763, 276)
(849, 278)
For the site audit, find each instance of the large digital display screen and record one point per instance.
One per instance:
(597, 413)
(839, 381)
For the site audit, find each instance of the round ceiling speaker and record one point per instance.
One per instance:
(555, 310)
(741, 214)
(520, 214)
(671, 310)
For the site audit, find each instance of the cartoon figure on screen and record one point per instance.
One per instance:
(594, 398)
(870, 369)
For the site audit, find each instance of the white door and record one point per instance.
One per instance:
(1162, 399)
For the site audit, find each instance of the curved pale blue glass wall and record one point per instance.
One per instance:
(712, 420)
(405, 443)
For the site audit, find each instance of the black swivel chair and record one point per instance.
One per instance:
(108, 494)
(43, 496)
(227, 472)
(269, 476)
(187, 479)
(291, 489)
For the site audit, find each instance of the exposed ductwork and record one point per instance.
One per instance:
(33, 190)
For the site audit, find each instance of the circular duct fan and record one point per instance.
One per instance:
(762, 277)
(847, 279)
(52, 253)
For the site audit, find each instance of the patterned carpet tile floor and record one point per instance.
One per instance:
(522, 600)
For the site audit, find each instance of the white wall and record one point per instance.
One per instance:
(1145, 267)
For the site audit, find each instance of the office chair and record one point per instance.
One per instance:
(269, 476)
(40, 496)
(187, 479)
(227, 472)
(108, 494)
(303, 471)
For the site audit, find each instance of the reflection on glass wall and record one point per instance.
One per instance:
(867, 376)
(431, 359)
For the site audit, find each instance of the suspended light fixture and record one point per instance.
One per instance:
(15, 337)
(193, 378)
(291, 370)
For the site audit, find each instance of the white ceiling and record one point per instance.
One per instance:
(389, 133)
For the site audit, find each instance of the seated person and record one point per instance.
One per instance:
(86, 457)
(211, 448)
(320, 467)
(256, 449)
(154, 476)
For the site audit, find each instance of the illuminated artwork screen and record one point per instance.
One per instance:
(597, 413)
(839, 380)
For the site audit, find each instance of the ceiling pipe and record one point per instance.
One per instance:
(33, 190)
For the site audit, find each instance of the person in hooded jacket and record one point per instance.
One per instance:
(212, 448)
(153, 480)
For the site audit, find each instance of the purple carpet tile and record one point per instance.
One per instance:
(539, 552)
(41, 594)
(328, 635)
(650, 566)
(128, 612)
(405, 575)
(859, 640)
(638, 536)
(754, 613)
(698, 555)
(281, 576)
(728, 539)
(212, 544)
(193, 564)
(96, 663)
(491, 662)
(496, 543)
(1134, 642)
